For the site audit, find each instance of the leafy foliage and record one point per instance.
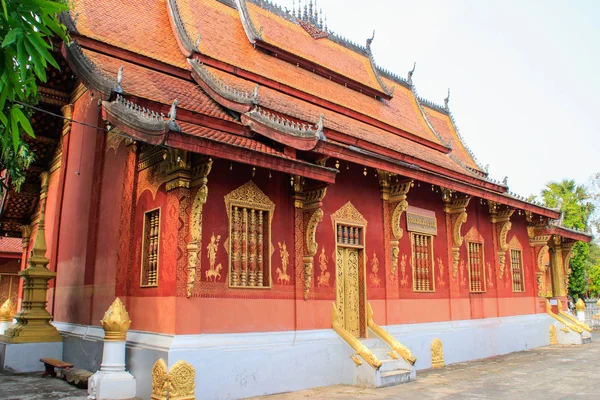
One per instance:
(574, 202)
(27, 27)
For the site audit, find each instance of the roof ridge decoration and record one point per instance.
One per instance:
(460, 137)
(298, 135)
(251, 32)
(139, 122)
(392, 76)
(237, 99)
(309, 19)
(389, 91)
(89, 73)
(413, 90)
(182, 36)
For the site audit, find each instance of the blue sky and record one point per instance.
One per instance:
(524, 75)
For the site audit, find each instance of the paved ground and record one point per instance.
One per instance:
(32, 387)
(548, 373)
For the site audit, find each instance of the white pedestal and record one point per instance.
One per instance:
(112, 382)
(4, 325)
(581, 316)
(25, 357)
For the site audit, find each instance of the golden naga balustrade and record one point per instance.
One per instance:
(566, 322)
(360, 349)
(398, 349)
(571, 318)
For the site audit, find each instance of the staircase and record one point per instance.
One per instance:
(392, 371)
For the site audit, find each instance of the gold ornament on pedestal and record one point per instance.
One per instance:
(7, 311)
(116, 322)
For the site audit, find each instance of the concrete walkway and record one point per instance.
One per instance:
(33, 387)
(548, 373)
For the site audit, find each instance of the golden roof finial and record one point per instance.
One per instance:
(580, 305)
(116, 322)
(7, 311)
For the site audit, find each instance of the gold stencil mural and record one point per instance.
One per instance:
(375, 280)
(441, 268)
(282, 275)
(463, 273)
(490, 280)
(323, 279)
(213, 273)
(404, 281)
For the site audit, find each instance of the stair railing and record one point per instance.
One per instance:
(360, 349)
(562, 320)
(397, 347)
(571, 318)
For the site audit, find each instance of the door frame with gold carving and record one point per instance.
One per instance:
(349, 217)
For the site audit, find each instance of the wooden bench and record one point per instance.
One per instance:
(51, 363)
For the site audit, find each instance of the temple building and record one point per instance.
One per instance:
(270, 206)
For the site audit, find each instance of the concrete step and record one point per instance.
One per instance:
(381, 353)
(396, 377)
(394, 365)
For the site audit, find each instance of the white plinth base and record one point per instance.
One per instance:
(4, 325)
(25, 357)
(111, 386)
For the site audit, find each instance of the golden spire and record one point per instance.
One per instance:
(116, 322)
(7, 311)
(580, 305)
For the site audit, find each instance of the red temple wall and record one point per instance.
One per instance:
(108, 217)
(72, 297)
(216, 308)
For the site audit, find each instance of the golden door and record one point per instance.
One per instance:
(348, 290)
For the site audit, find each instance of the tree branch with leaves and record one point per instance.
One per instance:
(27, 28)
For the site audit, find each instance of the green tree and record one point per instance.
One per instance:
(27, 28)
(574, 202)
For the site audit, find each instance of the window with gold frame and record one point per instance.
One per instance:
(150, 248)
(250, 214)
(516, 268)
(423, 270)
(476, 267)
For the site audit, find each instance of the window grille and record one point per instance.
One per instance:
(516, 262)
(422, 249)
(349, 235)
(476, 269)
(150, 247)
(250, 238)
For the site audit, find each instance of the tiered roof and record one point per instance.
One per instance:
(250, 75)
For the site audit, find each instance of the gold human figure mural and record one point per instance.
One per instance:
(282, 275)
(323, 279)
(404, 281)
(213, 273)
(375, 280)
(463, 278)
(441, 281)
(490, 280)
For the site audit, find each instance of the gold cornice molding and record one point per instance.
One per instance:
(199, 178)
(500, 218)
(311, 201)
(179, 171)
(395, 196)
(455, 207)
